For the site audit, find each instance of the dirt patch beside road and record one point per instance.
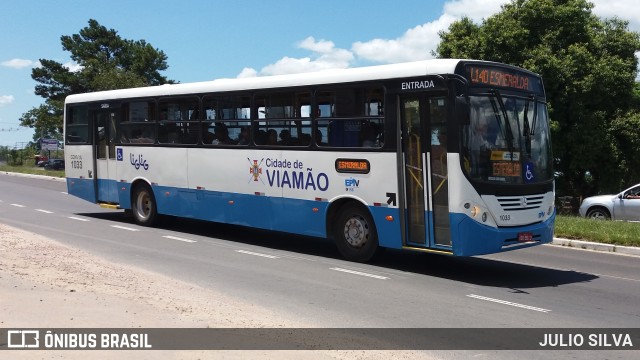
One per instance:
(45, 284)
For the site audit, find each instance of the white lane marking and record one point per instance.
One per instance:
(577, 270)
(178, 238)
(44, 211)
(509, 303)
(360, 273)
(256, 254)
(77, 218)
(124, 228)
(17, 205)
(617, 277)
(64, 192)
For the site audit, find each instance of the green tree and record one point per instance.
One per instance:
(44, 119)
(589, 69)
(105, 61)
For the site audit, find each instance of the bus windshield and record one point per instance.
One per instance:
(507, 140)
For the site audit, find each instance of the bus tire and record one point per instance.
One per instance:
(143, 206)
(355, 233)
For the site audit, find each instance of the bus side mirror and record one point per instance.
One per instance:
(462, 110)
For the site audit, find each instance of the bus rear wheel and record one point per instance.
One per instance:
(355, 233)
(144, 206)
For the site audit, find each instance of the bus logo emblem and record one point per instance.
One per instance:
(255, 170)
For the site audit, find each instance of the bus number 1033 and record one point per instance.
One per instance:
(76, 164)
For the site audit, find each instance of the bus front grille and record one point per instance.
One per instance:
(519, 203)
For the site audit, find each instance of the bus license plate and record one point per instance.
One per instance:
(525, 237)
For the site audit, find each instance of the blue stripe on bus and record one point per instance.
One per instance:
(388, 231)
(478, 239)
(297, 216)
(270, 213)
(107, 191)
(86, 189)
(82, 188)
(124, 195)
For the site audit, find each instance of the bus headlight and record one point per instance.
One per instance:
(475, 211)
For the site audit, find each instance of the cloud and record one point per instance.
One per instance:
(18, 63)
(417, 43)
(247, 73)
(72, 66)
(476, 10)
(623, 9)
(324, 55)
(6, 100)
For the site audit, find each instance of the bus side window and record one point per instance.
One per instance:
(351, 117)
(138, 123)
(227, 119)
(283, 118)
(179, 120)
(77, 124)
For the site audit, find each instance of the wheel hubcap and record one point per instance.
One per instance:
(356, 231)
(142, 209)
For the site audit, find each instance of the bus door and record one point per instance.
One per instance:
(105, 122)
(424, 172)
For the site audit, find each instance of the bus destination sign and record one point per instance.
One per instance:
(356, 166)
(492, 76)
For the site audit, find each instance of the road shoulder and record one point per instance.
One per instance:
(46, 284)
(587, 245)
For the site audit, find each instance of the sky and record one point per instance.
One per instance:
(210, 39)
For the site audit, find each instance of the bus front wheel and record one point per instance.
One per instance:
(144, 206)
(355, 233)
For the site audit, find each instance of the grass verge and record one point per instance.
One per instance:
(31, 170)
(608, 232)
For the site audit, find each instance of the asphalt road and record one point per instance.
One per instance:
(542, 287)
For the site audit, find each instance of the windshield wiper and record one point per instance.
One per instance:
(535, 115)
(527, 131)
(508, 133)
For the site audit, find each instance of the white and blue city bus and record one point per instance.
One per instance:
(446, 156)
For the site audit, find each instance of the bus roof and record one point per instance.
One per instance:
(330, 76)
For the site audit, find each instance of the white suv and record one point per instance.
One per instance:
(623, 206)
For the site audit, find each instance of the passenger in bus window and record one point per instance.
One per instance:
(272, 137)
(319, 138)
(480, 149)
(124, 138)
(243, 138)
(285, 137)
(140, 137)
(222, 135)
(207, 136)
(304, 139)
(480, 140)
(368, 135)
(260, 137)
